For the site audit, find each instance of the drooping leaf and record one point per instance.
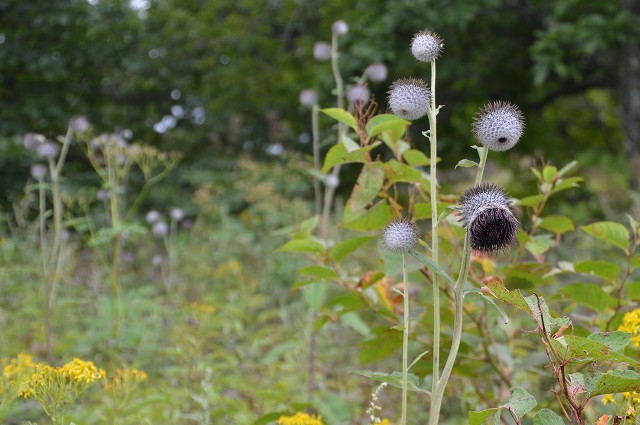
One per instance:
(319, 272)
(340, 154)
(396, 171)
(588, 295)
(342, 116)
(479, 417)
(415, 158)
(615, 381)
(530, 201)
(539, 244)
(577, 349)
(466, 163)
(386, 122)
(375, 218)
(564, 184)
(521, 402)
(610, 232)
(431, 265)
(367, 186)
(616, 340)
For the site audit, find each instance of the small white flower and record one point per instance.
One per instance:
(377, 72)
(177, 214)
(358, 93)
(160, 229)
(340, 27)
(47, 151)
(331, 181)
(152, 216)
(308, 98)
(38, 171)
(322, 51)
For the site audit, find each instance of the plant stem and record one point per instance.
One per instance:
(115, 264)
(405, 340)
(483, 162)
(315, 132)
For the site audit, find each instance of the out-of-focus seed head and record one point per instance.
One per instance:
(377, 72)
(331, 181)
(486, 213)
(32, 140)
(103, 195)
(160, 229)
(322, 51)
(177, 214)
(47, 151)
(426, 46)
(339, 27)
(38, 171)
(400, 236)
(152, 217)
(358, 93)
(409, 98)
(308, 98)
(157, 260)
(79, 124)
(499, 125)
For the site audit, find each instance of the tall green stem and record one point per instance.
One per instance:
(405, 340)
(315, 132)
(115, 265)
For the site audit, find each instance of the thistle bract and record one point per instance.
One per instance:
(426, 46)
(409, 98)
(400, 236)
(499, 126)
(486, 213)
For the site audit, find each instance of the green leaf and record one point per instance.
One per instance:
(633, 290)
(386, 122)
(577, 349)
(557, 224)
(342, 116)
(589, 295)
(547, 417)
(367, 187)
(635, 261)
(466, 163)
(616, 340)
(479, 417)
(539, 244)
(269, 418)
(393, 379)
(342, 249)
(564, 170)
(491, 302)
(514, 298)
(396, 172)
(521, 402)
(375, 218)
(379, 348)
(549, 172)
(422, 210)
(530, 201)
(431, 265)
(610, 232)
(314, 295)
(302, 245)
(615, 381)
(354, 321)
(415, 158)
(340, 154)
(319, 272)
(603, 269)
(566, 184)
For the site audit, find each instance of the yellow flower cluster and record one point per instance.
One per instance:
(202, 308)
(631, 324)
(16, 366)
(123, 378)
(81, 371)
(45, 377)
(386, 421)
(300, 419)
(632, 402)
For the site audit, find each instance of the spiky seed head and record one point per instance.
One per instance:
(377, 72)
(400, 236)
(358, 93)
(340, 27)
(322, 51)
(499, 125)
(308, 98)
(426, 46)
(486, 213)
(409, 98)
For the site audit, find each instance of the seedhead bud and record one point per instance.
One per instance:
(31, 141)
(426, 46)
(499, 125)
(358, 93)
(322, 51)
(79, 124)
(331, 181)
(486, 213)
(47, 151)
(339, 27)
(152, 217)
(400, 236)
(177, 214)
(377, 72)
(38, 171)
(308, 98)
(157, 260)
(409, 98)
(103, 195)
(160, 229)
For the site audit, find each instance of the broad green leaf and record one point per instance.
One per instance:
(564, 184)
(375, 218)
(615, 381)
(610, 232)
(633, 290)
(342, 249)
(340, 154)
(396, 172)
(354, 321)
(415, 158)
(539, 244)
(466, 163)
(315, 295)
(514, 298)
(547, 417)
(302, 245)
(367, 187)
(479, 417)
(491, 302)
(577, 349)
(342, 116)
(589, 295)
(603, 269)
(393, 379)
(422, 210)
(379, 348)
(269, 418)
(529, 201)
(557, 224)
(386, 122)
(431, 265)
(564, 170)
(318, 272)
(549, 172)
(635, 261)
(521, 402)
(616, 340)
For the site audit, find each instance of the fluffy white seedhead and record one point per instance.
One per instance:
(486, 213)
(153, 216)
(358, 93)
(103, 195)
(47, 151)
(31, 141)
(160, 228)
(409, 98)
(331, 181)
(400, 236)
(322, 51)
(377, 72)
(79, 124)
(339, 27)
(38, 171)
(177, 214)
(308, 98)
(426, 46)
(499, 125)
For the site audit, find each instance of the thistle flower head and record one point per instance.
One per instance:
(339, 27)
(358, 93)
(47, 151)
(79, 124)
(38, 171)
(426, 46)
(377, 72)
(400, 236)
(322, 51)
(160, 229)
(153, 216)
(308, 98)
(332, 181)
(177, 214)
(32, 140)
(409, 98)
(486, 213)
(499, 125)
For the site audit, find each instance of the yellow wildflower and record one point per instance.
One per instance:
(386, 421)
(124, 377)
(608, 398)
(300, 419)
(81, 371)
(631, 324)
(202, 308)
(17, 365)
